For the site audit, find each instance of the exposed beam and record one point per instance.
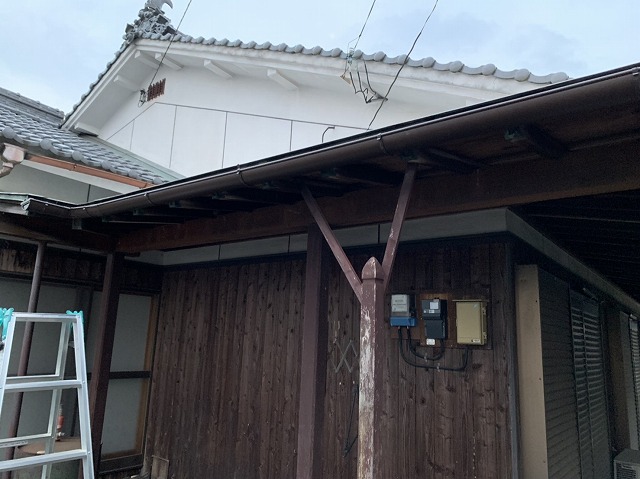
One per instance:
(146, 60)
(216, 70)
(44, 229)
(365, 174)
(578, 174)
(265, 196)
(277, 77)
(541, 141)
(396, 225)
(126, 83)
(332, 241)
(166, 60)
(81, 127)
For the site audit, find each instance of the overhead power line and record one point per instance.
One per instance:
(404, 63)
(169, 46)
(363, 26)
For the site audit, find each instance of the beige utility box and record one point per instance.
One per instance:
(471, 321)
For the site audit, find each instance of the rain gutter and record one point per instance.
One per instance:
(575, 96)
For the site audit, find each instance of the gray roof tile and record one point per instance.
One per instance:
(31, 124)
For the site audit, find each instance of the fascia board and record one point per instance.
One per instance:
(104, 83)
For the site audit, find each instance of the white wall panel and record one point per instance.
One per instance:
(198, 143)
(122, 137)
(252, 138)
(153, 134)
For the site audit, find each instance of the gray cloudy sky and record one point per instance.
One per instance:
(53, 49)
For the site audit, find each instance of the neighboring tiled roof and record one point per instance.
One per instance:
(35, 126)
(162, 31)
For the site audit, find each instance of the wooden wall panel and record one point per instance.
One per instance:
(65, 266)
(224, 390)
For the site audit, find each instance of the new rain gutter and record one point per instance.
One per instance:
(606, 89)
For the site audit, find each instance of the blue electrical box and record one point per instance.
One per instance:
(402, 311)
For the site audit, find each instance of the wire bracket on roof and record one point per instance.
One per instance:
(363, 86)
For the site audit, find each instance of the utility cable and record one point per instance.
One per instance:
(406, 60)
(363, 26)
(412, 348)
(460, 368)
(348, 444)
(168, 46)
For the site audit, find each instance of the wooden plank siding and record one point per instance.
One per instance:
(73, 267)
(225, 381)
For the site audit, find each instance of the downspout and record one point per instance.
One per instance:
(11, 155)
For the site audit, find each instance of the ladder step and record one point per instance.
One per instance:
(32, 379)
(43, 385)
(23, 440)
(40, 460)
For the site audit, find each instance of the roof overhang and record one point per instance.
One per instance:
(578, 140)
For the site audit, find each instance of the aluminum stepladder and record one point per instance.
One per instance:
(70, 323)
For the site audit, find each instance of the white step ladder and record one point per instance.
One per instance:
(72, 322)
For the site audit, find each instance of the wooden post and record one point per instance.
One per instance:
(372, 354)
(313, 369)
(370, 291)
(27, 339)
(104, 349)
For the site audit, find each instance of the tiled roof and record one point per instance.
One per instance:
(144, 28)
(35, 126)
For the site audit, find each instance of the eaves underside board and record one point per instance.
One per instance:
(579, 174)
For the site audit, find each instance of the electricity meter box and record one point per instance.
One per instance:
(471, 322)
(434, 315)
(402, 310)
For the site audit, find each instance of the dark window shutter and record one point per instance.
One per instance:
(635, 365)
(591, 395)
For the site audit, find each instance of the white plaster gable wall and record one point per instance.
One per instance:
(152, 135)
(198, 140)
(204, 122)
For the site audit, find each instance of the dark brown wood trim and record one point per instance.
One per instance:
(313, 368)
(332, 241)
(398, 220)
(578, 173)
(86, 170)
(104, 349)
(25, 351)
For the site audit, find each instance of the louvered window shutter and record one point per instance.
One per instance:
(591, 395)
(635, 364)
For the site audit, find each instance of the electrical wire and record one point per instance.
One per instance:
(412, 348)
(167, 49)
(461, 368)
(348, 445)
(363, 26)
(406, 60)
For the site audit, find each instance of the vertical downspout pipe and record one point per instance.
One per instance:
(27, 339)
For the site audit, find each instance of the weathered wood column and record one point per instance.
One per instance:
(104, 350)
(370, 290)
(373, 328)
(313, 369)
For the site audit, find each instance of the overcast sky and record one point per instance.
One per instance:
(53, 50)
